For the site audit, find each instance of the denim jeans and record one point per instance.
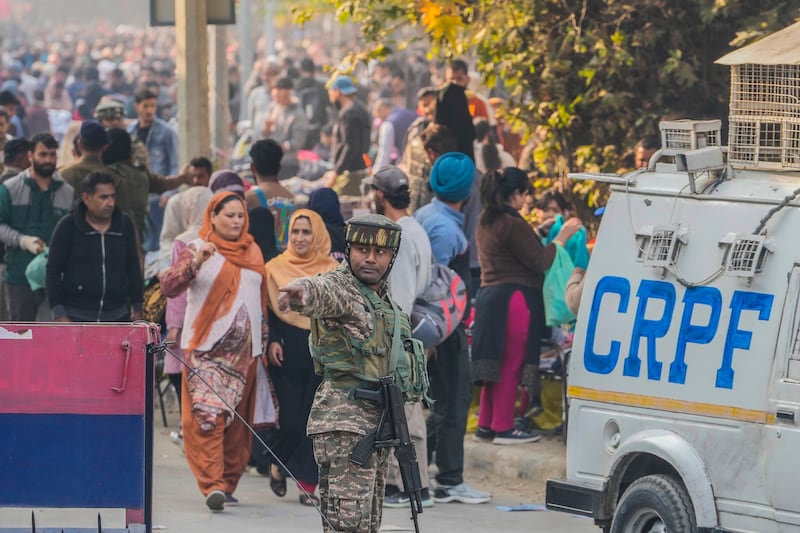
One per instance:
(153, 223)
(451, 390)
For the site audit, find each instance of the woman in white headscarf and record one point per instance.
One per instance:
(193, 205)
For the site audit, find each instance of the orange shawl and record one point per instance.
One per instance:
(282, 269)
(239, 254)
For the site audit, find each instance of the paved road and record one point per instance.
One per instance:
(179, 507)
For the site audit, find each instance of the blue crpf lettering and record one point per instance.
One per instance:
(696, 334)
(649, 329)
(737, 338)
(593, 361)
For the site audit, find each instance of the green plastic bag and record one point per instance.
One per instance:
(36, 271)
(555, 285)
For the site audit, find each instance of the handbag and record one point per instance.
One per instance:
(440, 309)
(154, 307)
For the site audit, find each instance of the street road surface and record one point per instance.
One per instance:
(179, 507)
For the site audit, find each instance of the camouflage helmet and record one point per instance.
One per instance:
(109, 110)
(374, 230)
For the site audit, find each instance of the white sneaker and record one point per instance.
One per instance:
(176, 437)
(462, 493)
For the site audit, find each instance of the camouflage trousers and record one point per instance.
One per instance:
(351, 496)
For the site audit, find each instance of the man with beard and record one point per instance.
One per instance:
(31, 204)
(93, 272)
(410, 276)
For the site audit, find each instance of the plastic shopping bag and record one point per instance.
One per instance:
(555, 284)
(576, 245)
(36, 271)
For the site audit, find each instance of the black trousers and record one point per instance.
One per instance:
(22, 302)
(451, 390)
(295, 385)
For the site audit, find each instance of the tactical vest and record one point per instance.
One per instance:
(348, 363)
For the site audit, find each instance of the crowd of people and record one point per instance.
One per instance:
(86, 228)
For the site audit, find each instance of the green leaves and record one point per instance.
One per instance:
(585, 78)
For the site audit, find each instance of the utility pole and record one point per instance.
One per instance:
(192, 65)
(220, 112)
(244, 20)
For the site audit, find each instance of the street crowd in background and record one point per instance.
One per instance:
(101, 222)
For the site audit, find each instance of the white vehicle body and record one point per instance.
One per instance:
(684, 380)
(702, 381)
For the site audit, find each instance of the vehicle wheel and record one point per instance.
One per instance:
(654, 504)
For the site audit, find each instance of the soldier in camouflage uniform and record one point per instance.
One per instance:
(111, 114)
(352, 320)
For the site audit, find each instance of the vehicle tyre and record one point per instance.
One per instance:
(654, 504)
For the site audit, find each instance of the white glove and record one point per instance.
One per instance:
(32, 244)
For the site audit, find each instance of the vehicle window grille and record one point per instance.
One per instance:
(746, 256)
(659, 245)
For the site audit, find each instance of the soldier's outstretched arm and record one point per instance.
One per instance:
(320, 296)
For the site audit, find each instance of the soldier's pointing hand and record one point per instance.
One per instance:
(291, 293)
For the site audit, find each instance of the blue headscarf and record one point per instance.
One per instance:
(452, 176)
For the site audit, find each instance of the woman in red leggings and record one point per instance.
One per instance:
(509, 309)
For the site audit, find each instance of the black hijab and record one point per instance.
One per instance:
(325, 202)
(262, 228)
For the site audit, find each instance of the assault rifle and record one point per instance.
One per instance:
(392, 432)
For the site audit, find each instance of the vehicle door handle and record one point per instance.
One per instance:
(785, 415)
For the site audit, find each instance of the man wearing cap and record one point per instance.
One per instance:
(111, 114)
(351, 138)
(92, 141)
(410, 276)
(286, 124)
(352, 317)
(31, 204)
(451, 180)
(415, 159)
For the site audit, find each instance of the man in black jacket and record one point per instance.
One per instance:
(93, 272)
(351, 132)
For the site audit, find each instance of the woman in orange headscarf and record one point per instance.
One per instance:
(291, 367)
(223, 271)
